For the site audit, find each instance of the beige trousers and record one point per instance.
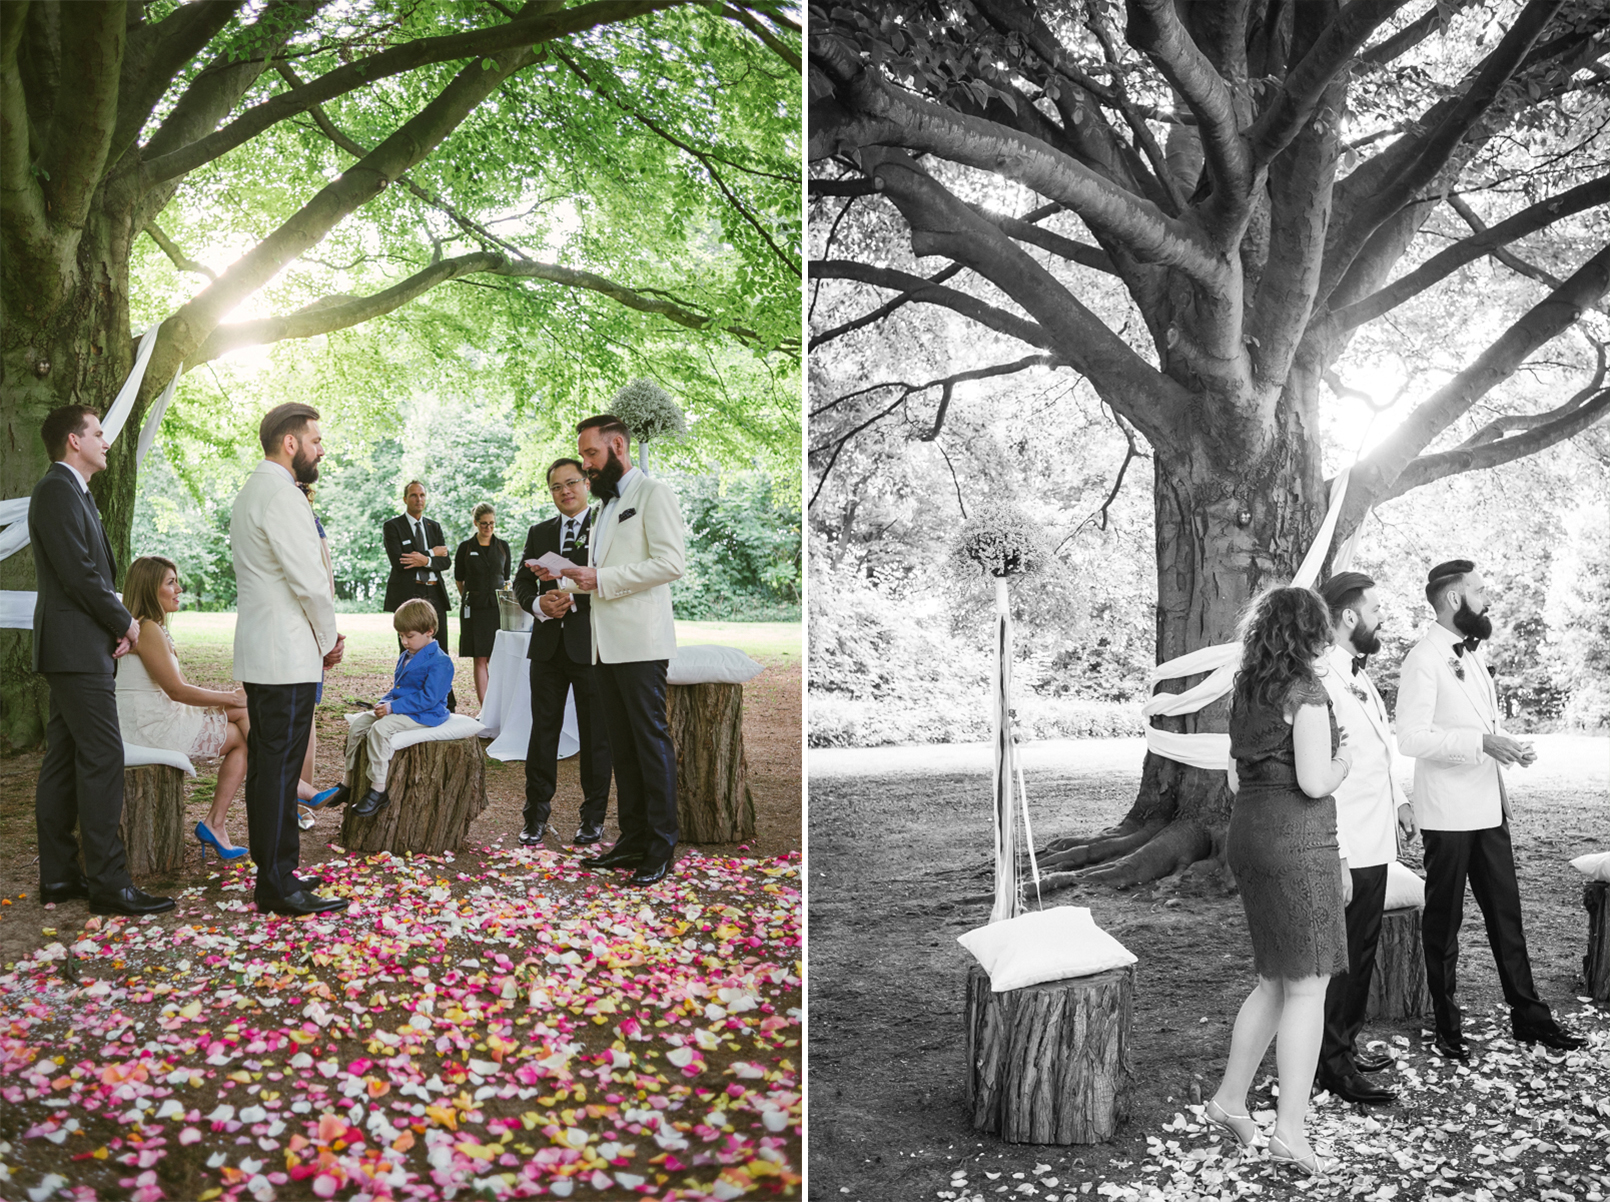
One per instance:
(378, 734)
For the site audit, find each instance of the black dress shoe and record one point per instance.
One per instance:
(616, 857)
(588, 834)
(1552, 1036)
(370, 803)
(1351, 1087)
(131, 901)
(531, 836)
(1451, 1047)
(70, 891)
(301, 902)
(1366, 1063)
(452, 702)
(650, 873)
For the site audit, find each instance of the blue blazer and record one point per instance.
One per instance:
(419, 685)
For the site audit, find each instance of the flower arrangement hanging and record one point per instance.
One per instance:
(649, 413)
(1000, 540)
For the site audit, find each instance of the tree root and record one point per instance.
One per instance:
(1108, 845)
(1173, 849)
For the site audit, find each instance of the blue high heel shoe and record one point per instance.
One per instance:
(318, 799)
(207, 839)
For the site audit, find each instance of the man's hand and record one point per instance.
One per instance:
(540, 572)
(1528, 755)
(382, 709)
(240, 696)
(1406, 828)
(555, 604)
(121, 649)
(336, 652)
(1507, 750)
(414, 559)
(132, 634)
(1347, 885)
(585, 578)
(439, 552)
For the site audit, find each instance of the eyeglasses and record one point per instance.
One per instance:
(486, 523)
(563, 484)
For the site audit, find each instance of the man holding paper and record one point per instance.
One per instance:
(561, 655)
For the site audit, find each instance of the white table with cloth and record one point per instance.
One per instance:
(506, 712)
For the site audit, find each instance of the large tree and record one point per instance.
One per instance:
(615, 180)
(1262, 180)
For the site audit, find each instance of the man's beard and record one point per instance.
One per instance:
(304, 466)
(602, 481)
(1367, 642)
(1468, 622)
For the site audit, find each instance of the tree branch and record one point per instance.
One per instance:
(527, 32)
(180, 260)
(882, 311)
(948, 384)
(29, 242)
(916, 288)
(1443, 264)
(174, 41)
(84, 113)
(771, 41)
(1027, 231)
(1509, 258)
(1411, 35)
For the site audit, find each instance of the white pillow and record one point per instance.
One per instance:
(134, 755)
(1044, 945)
(457, 726)
(707, 663)
(1595, 865)
(1403, 887)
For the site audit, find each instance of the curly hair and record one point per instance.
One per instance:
(1285, 630)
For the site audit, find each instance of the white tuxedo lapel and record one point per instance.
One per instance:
(1476, 688)
(606, 532)
(1373, 708)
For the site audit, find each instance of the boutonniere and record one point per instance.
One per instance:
(629, 513)
(1358, 690)
(1458, 668)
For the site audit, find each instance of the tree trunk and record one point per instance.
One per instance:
(437, 789)
(1596, 964)
(1049, 1064)
(1226, 529)
(152, 826)
(1398, 988)
(713, 801)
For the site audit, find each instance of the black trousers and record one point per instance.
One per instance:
(281, 719)
(632, 698)
(436, 594)
(81, 784)
(551, 680)
(1348, 994)
(1486, 859)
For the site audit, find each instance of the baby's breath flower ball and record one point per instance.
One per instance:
(1000, 539)
(648, 411)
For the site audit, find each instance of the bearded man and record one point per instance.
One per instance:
(1448, 720)
(285, 637)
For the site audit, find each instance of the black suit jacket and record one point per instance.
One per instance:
(78, 617)
(575, 627)
(399, 542)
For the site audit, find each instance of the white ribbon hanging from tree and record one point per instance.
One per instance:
(1011, 796)
(17, 608)
(1208, 750)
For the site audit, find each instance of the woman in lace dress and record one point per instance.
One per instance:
(1285, 759)
(157, 707)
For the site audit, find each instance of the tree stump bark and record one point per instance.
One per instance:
(1596, 964)
(713, 801)
(1398, 986)
(437, 789)
(1050, 1064)
(152, 827)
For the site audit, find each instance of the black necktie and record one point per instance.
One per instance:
(568, 547)
(1466, 644)
(1358, 663)
(421, 576)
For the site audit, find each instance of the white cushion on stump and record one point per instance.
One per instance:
(1595, 866)
(1404, 888)
(1044, 945)
(707, 663)
(135, 755)
(457, 726)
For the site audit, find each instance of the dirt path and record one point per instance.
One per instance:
(890, 859)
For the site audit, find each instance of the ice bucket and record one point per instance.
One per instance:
(510, 615)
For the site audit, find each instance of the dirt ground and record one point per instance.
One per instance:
(893, 879)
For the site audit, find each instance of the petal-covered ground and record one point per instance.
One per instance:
(499, 1025)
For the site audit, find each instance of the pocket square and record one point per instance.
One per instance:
(629, 513)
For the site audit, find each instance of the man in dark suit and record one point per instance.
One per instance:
(80, 630)
(561, 655)
(418, 554)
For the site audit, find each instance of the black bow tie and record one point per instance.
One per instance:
(1466, 644)
(604, 491)
(1358, 663)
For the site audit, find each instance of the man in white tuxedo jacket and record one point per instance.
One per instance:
(1448, 721)
(635, 552)
(284, 637)
(1371, 811)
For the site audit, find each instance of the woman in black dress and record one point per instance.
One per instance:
(1285, 759)
(480, 568)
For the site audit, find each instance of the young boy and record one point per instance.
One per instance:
(418, 697)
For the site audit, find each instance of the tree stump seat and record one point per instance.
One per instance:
(1596, 963)
(1398, 986)
(713, 800)
(153, 824)
(1049, 1064)
(437, 789)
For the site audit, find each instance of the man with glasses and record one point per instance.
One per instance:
(561, 656)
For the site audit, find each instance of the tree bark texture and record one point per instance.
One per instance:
(713, 801)
(437, 790)
(1596, 964)
(153, 824)
(1398, 988)
(1050, 1064)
